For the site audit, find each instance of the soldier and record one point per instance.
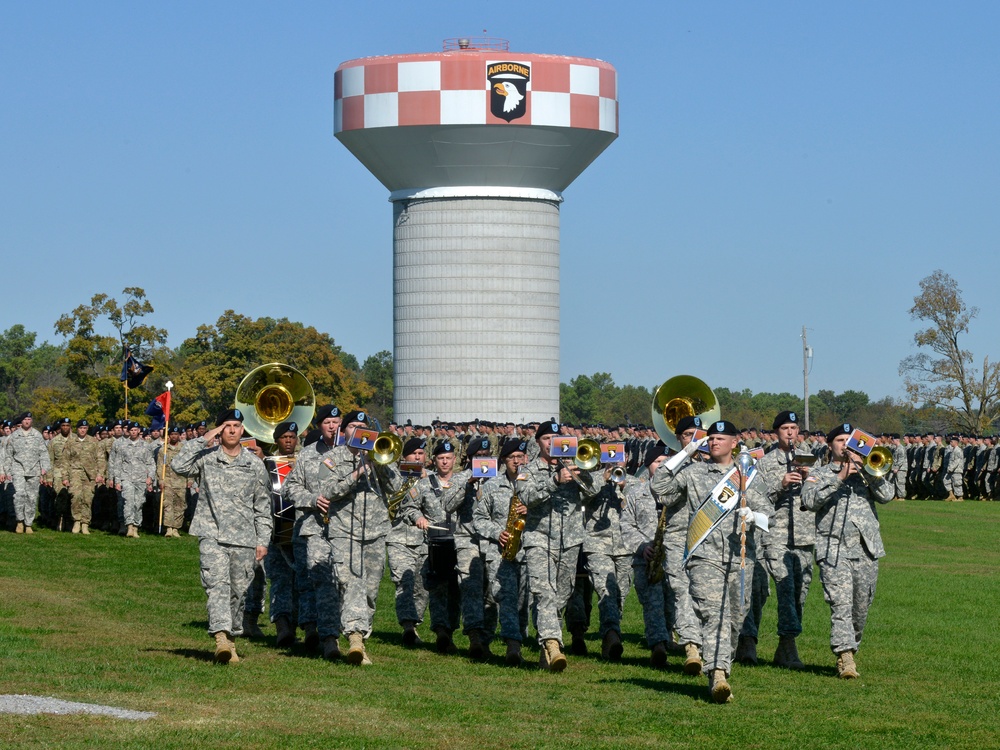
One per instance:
(953, 467)
(639, 521)
(554, 494)
(134, 472)
(407, 550)
(848, 543)
(507, 581)
(785, 552)
(714, 566)
(898, 467)
(27, 466)
(60, 501)
(174, 486)
(232, 522)
(81, 469)
(319, 614)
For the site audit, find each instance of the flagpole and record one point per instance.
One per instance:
(125, 370)
(166, 442)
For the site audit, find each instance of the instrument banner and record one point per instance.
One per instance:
(411, 469)
(563, 447)
(860, 442)
(717, 506)
(484, 468)
(363, 439)
(612, 453)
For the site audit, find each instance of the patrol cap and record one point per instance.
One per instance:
(83, 423)
(841, 429)
(413, 444)
(785, 417)
(325, 412)
(445, 446)
(282, 427)
(477, 445)
(355, 416)
(723, 427)
(547, 428)
(686, 423)
(654, 453)
(229, 415)
(513, 446)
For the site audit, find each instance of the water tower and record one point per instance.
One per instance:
(475, 145)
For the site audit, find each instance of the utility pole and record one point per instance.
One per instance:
(806, 354)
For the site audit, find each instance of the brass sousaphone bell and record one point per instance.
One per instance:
(682, 396)
(271, 394)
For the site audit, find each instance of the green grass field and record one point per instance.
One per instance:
(122, 622)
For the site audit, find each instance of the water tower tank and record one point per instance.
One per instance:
(475, 145)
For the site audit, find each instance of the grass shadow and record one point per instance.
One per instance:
(188, 653)
(696, 691)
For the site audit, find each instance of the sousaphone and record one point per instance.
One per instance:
(271, 394)
(682, 396)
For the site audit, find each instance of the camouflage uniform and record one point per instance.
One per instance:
(173, 486)
(953, 469)
(134, 465)
(27, 458)
(60, 499)
(233, 517)
(899, 469)
(848, 547)
(406, 548)
(608, 557)
(507, 582)
(714, 567)
(639, 518)
(553, 536)
(479, 610)
(785, 551)
(81, 461)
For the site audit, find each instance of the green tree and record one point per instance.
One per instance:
(218, 357)
(26, 369)
(93, 356)
(943, 374)
(377, 373)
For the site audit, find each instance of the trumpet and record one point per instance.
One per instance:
(587, 458)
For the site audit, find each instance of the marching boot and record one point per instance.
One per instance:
(251, 627)
(331, 648)
(286, 633)
(658, 656)
(85, 528)
(76, 528)
(122, 529)
(692, 661)
(356, 651)
(19, 529)
(410, 637)
(846, 668)
(611, 647)
(477, 650)
(130, 532)
(552, 657)
(513, 657)
(445, 645)
(223, 653)
(578, 643)
(746, 651)
(719, 686)
(28, 529)
(787, 655)
(673, 647)
(311, 635)
(232, 647)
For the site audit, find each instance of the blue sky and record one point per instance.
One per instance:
(780, 164)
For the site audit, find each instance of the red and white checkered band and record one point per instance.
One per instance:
(452, 88)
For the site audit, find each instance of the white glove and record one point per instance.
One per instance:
(746, 515)
(679, 459)
(752, 518)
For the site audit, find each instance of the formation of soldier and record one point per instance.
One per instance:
(532, 545)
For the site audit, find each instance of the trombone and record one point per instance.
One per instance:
(876, 464)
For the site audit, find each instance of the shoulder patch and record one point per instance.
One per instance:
(328, 463)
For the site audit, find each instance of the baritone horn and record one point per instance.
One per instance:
(588, 454)
(271, 394)
(682, 396)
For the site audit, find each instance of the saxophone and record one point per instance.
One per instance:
(396, 498)
(654, 566)
(515, 527)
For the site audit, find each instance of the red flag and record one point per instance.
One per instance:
(160, 404)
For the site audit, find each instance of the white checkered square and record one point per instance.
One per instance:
(463, 107)
(550, 108)
(352, 81)
(608, 115)
(584, 79)
(382, 110)
(419, 76)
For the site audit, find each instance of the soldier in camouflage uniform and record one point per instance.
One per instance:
(714, 566)
(785, 552)
(507, 581)
(173, 485)
(953, 467)
(406, 548)
(554, 494)
(134, 469)
(80, 469)
(232, 522)
(848, 544)
(319, 599)
(60, 504)
(27, 465)
(899, 467)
